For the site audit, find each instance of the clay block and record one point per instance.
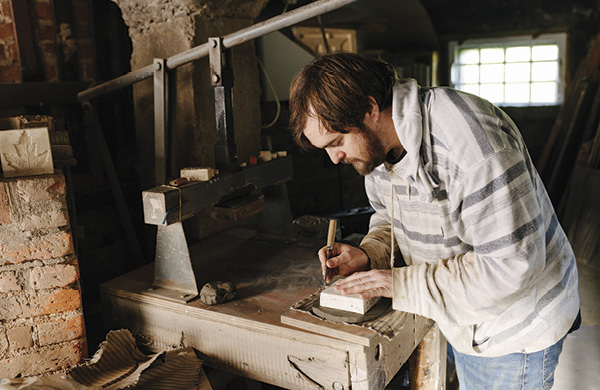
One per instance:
(334, 299)
(198, 173)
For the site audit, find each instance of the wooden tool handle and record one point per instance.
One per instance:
(331, 233)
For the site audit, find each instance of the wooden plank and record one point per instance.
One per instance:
(428, 362)
(567, 153)
(247, 352)
(581, 215)
(34, 94)
(587, 67)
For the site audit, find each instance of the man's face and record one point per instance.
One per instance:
(361, 148)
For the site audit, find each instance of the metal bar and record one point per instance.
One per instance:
(161, 121)
(241, 36)
(222, 82)
(165, 205)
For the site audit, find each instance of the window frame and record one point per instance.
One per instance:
(559, 39)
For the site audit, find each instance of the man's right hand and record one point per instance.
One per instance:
(346, 260)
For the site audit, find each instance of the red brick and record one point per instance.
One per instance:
(36, 188)
(87, 70)
(19, 337)
(85, 49)
(49, 246)
(4, 205)
(52, 276)
(46, 32)
(6, 8)
(54, 301)
(10, 308)
(49, 359)
(61, 330)
(9, 281)
(10, 74)
(44, 10)
(7, 31)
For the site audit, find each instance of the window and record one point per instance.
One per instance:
(519, 71)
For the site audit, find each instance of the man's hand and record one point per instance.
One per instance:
(346, 260)
(369, 284)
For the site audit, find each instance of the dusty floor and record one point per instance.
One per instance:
(579, 363)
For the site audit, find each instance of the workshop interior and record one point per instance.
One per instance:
(159, 226)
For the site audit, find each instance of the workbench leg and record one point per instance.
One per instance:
(428, 362)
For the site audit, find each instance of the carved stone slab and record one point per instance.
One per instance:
(25, 152)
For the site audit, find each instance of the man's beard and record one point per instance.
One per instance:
(374, 151)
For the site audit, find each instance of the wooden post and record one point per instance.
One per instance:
(428, 362)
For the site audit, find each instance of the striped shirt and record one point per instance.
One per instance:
(486, 256)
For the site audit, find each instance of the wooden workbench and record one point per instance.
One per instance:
(246, 336)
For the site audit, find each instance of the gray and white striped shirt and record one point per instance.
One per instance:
(486, 256)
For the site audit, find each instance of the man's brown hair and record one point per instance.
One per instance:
(335, 88)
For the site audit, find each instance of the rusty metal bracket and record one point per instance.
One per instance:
(161, 120)
(221, 77)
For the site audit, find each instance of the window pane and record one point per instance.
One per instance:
(518, 53)
(492, 92)
(470, 88)
(492, 55)
(544, 71)
(517, 93)
(544, 52)
(468, 74)
(517, 72)
(543, 92)
(468, 56)
(492, 73)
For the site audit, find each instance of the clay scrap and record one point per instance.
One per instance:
(213, 293)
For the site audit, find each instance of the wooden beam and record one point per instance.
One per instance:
(428, 362)
(34, 94)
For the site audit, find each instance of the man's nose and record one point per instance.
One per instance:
(336, 155)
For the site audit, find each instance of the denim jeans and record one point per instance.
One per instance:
(517, 371)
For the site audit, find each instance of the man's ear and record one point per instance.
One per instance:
(373, 113)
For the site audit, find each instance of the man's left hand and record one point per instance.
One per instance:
(368, 284)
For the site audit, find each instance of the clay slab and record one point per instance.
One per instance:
(334, 299)
(25, 152)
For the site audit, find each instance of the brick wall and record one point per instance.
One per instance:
(10, 66)
(41, 319)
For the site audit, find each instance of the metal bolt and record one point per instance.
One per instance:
(157, 66)
(338, 386)
(214, 43)
(215, 78)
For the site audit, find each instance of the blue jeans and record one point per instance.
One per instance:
(517, 371)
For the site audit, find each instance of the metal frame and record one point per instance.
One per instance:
(174, 277)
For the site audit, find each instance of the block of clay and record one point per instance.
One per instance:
(334, 299)
(198, 173)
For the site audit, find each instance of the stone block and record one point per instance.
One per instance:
(61, 330)
(19, 337)
(52, 276)
(9, 282)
